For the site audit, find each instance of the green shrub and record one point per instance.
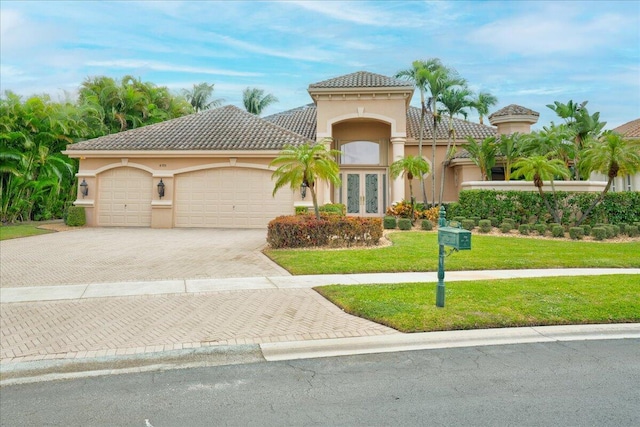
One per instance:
(459, 219)
(476, 220)
(609, 231)
(427, 224)
(485, 225)
(524, 229)
(557, 231)
(510, 220)
(540, 228)
(333, 208)
(587, 230)
(76, 216)
(404, 224)
(506, 227)
(389, 222)
(615, 229)
(576, 233)
(468, 224)
(302, 210)
(623, 228)
(553, 224)
(297, 231)
(633, 231)
(495, 222)
(599, 233)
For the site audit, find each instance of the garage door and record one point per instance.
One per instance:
(229, 198)
(125, 198)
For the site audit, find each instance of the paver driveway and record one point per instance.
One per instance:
(103, 255)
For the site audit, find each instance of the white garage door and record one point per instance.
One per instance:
(125, 198)
(229, 198)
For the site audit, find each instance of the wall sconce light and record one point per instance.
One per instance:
(161, 188)
(84, 188)
(303, 190)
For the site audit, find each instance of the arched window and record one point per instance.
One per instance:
(360, 153)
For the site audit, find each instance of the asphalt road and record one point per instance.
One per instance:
(582, 383)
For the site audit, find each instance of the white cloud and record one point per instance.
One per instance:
(159, 66)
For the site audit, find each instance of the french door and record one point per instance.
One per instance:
(364, 192)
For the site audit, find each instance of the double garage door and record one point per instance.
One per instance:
(228, 198)
(225, 197)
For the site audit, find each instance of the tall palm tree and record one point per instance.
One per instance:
(411, 167)
(482, 154)
(200, 97)
(306, 164)
(540, 169)
(482, 102)
(255, 101)
(454, 102)
(612, 156)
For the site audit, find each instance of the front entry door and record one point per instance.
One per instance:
(364, 192)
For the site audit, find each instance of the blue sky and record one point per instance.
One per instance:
(529, 53)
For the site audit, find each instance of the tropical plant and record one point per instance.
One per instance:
(482, 154)
(612, 156)
(454, 101)
(509, 151)
(200, 97)
(411, 167)
(539, 169)
(306, 164)
(255, 101)
(482, 102)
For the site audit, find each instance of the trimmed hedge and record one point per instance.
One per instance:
(468, 224)
(485, 225)
(427, 225)
(297, 231)
(404, 224)
(599, 233)
(506, 227)
(524, 229)
(557, 231)
(76, 216)
(389, 222)
(633, 231)
(526, 207)
(333, 208)
(540, 228)
(576, 233)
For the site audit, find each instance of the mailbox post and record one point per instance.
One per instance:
(458, 239)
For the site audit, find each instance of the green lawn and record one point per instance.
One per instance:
(418, 251)
(22, 230)
(410, 307)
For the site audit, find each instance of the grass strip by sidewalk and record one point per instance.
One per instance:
(22, 230)
(418, 251)
(410, 307)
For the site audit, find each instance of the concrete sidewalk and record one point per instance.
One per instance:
(131, 325)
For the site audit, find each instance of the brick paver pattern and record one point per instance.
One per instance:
(131, 325)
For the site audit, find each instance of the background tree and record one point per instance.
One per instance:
(612, 156)
(482, 154)
(482, 102)
(454, 102)
(306, 163)
(200, 97)
(509, 150)
(539, 169)
(255, 101)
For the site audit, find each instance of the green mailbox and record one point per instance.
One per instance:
(457, 238)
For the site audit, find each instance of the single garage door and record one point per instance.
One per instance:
(229, 198)
(125, 198)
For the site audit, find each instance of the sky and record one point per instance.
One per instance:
(529, 53)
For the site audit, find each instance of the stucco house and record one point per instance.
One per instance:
(210, 169)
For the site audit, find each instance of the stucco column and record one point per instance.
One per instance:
(397, 187)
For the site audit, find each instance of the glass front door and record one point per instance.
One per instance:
(364, 192)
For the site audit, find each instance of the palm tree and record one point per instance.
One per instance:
(509, 150)
(200, 97)
(455, 101)
(411, 167)
(612, 156)
(482, 154)
(482, 103)
(540, 169)
(255, 101)
(305, 164)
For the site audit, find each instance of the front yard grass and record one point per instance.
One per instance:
(410, 307)
(418, 251)
(22, 230)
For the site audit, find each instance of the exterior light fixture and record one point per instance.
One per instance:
(161, 188)
(84, 188)
(303, 190)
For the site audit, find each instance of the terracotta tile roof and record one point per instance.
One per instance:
(301, 120)
(514, 110)
(224, 128)
(362, 79)
(630, 129)
(463, 128)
